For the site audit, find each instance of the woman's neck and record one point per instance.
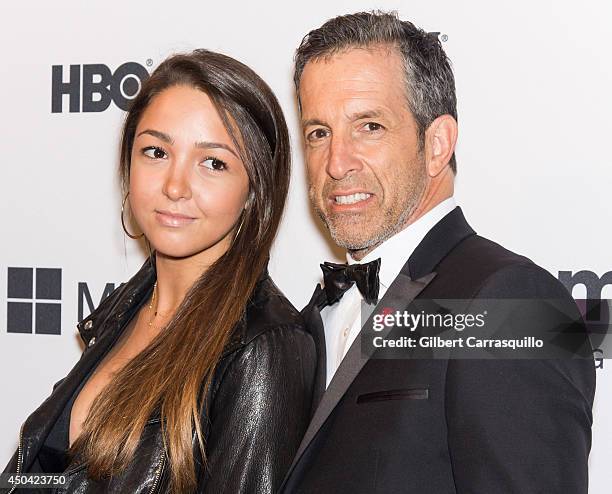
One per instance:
(176, 275)
(174, 279)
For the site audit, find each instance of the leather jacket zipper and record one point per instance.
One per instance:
(158, 473)
(19, 456)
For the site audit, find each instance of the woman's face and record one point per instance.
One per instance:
(188, 186)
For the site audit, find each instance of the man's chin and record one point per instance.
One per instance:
(350, 241)
(358, 235)
(351, 231)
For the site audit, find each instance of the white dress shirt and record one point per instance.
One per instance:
(342, 321)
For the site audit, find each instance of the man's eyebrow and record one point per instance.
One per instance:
(313, 121)
(366, 114)
(361, 115)
(213, 145)
(160, 135)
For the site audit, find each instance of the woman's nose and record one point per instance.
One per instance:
(176, 184)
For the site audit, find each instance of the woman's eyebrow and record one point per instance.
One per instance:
(160, 135)
(212, 145)
(200, 144)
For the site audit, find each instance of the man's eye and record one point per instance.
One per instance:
(372, 126)
(317, 134)
(214, 164)
(154, 152)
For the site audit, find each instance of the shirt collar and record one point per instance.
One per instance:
(395, 251)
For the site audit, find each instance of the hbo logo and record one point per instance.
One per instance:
(94, 87)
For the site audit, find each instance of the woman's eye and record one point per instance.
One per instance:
(154, 153)
(214, 164)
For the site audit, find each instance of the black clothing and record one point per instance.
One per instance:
(258, 401)
(338, 278)
(53, 453)
(450, 426)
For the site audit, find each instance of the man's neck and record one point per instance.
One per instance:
(359, 254)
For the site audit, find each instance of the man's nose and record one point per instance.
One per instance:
(342, 159)
(177, 182)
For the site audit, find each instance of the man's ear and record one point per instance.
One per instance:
(440, 140)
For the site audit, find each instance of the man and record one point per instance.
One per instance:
(378, 112)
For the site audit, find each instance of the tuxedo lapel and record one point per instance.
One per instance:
(399, 295)
(312, 317)
(439, 241)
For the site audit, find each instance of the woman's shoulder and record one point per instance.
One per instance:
(271, 340)
(270, 319)
(269, 305)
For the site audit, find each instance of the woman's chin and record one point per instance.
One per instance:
(174, 252)
(182, 250)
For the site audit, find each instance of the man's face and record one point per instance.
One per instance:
(366, 171)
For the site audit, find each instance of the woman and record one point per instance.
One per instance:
(197, 373)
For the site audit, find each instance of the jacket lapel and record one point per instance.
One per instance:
(437, 244)
(312, 317)
(399, 295)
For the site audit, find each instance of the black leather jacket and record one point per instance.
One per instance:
(259, 400)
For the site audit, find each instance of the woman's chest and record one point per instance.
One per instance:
(132, 342)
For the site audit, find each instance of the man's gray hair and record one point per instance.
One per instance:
(430, 84)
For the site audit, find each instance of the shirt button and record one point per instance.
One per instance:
(92, 342)
(345, 332)
(88, 324)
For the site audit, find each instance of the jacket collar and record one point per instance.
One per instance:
(129, 296)
(121, 303)
(438, 242)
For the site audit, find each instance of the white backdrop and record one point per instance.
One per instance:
(533, 86)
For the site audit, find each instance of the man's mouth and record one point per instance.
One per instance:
(351, 198)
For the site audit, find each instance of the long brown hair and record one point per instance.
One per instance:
(174, 372)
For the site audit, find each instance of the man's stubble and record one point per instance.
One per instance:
(361, 233)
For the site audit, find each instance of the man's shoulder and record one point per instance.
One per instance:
(489, 255)
(480, 267)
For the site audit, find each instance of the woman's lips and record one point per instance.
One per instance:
(168, 218)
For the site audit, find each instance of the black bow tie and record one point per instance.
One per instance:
(339, 278)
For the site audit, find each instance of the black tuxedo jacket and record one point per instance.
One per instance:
(450, 425)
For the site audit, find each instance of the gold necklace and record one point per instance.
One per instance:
(153, 300)
(156, 312)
